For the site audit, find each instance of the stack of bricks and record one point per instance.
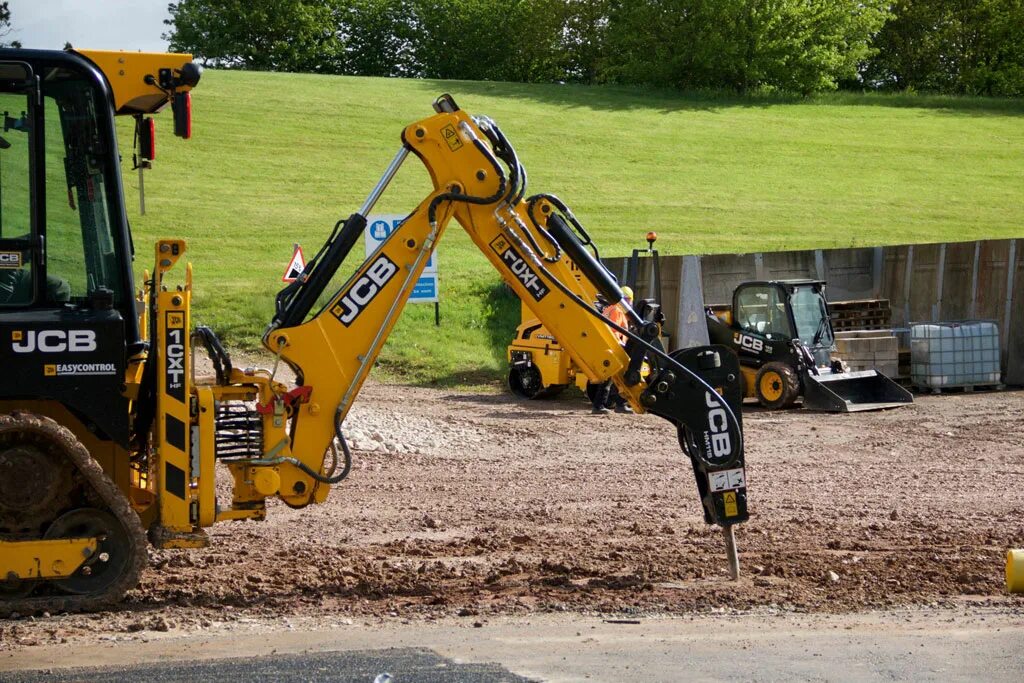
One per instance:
(869, 349)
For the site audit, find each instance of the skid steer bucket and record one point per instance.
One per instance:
(851, 392)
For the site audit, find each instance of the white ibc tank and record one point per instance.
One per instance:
(954, 354)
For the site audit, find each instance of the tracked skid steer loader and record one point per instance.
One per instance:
(110, 442)
(782, 333)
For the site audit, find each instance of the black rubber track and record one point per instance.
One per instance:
(107, 495)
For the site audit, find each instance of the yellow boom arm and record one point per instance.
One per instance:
(335, 350)
(283, 442)
(528, 242)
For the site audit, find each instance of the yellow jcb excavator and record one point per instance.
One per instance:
(106, 435)
(539, 367)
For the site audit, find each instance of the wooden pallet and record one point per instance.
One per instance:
(861, 314)
(860, 304)
(853, 325)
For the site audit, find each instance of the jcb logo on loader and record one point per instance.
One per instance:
(53, 341)
(359, 295)
(718, 443)
(750, 343)
(10, 259)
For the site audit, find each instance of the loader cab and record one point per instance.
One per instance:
(63, 233)
(760, 308)
(67, 314)
(786, 309)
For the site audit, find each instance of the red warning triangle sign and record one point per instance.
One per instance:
(295, 266)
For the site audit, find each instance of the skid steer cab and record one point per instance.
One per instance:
(782, 332)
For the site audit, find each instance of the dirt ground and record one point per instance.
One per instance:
(480, 505)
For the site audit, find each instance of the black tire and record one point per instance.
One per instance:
(776, 386)
(114, 551)
(526, 383)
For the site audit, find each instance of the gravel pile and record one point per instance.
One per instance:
(368, 428)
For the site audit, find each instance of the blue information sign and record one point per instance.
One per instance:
(378, 229)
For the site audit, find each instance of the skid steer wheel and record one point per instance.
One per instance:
(776, 386)
(526, 382)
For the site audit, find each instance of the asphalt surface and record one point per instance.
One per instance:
(972, 643)
(360, 666)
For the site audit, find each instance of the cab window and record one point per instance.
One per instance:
(73, 214)
(81, 252)
(16, 283)
(811, 317)
(760, 309)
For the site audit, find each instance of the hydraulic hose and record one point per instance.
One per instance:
(468, 198)
(586, 240)
(313, 474)
(650, 348)
(518, 179)
(597, 314)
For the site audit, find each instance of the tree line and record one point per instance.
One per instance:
(801, 46)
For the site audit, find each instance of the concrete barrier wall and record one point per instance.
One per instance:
(923, 283)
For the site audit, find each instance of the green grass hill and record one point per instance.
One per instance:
(278, 158)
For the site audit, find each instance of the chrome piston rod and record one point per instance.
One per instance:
(385, 180)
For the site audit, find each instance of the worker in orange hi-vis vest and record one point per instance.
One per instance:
(617, 314)
(606, 396)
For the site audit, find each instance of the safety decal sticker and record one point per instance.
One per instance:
(451, 136)
(727, 480)
(731, 509)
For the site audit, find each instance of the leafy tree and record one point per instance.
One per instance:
(995, 55)
(959, 46)
(803, 46)
(502, 40)
(263, 35)
(811, 46)
(796, 45)
(5, 26)
(379, 38)
(583, 39)
(515, 40)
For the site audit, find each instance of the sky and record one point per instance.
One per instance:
(91, 24)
